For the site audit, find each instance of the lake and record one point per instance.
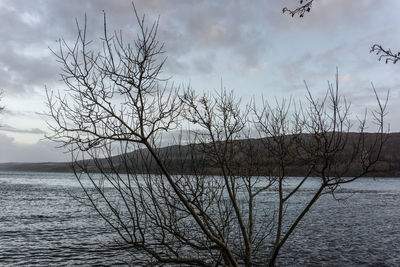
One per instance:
(42, 225)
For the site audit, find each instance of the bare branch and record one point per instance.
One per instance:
(385, 54)
(305, 6)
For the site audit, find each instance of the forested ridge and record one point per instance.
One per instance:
(183, 158)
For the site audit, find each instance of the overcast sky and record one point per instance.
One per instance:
(250, 45)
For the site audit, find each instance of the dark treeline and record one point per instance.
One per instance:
(250, 158)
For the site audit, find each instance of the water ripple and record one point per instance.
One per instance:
(40, 225)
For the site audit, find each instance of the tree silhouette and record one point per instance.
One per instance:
(222, 198)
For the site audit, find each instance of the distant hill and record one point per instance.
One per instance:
(388, 166)
(37, 167)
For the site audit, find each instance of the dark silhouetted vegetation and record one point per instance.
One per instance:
(196, 204)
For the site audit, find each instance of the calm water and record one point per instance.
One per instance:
(40, 224)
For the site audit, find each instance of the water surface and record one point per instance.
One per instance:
(41, 225)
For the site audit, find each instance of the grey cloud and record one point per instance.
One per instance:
(22, 75)
(235, 27)
(246, 33)
(332, 55)
(217, 27)
(325, 15)
(177, 66)
(11, 116)
(42, 151)
(292, 70)
(204, 64)
(9, 128)
(17, 113)
(290, 75)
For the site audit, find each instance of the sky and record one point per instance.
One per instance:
(249, 45)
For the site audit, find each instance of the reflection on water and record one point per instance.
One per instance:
(40, 224)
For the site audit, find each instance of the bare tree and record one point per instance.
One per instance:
(200, 203)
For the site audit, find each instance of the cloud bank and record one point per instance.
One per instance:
(42, 151)
(249, 45)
